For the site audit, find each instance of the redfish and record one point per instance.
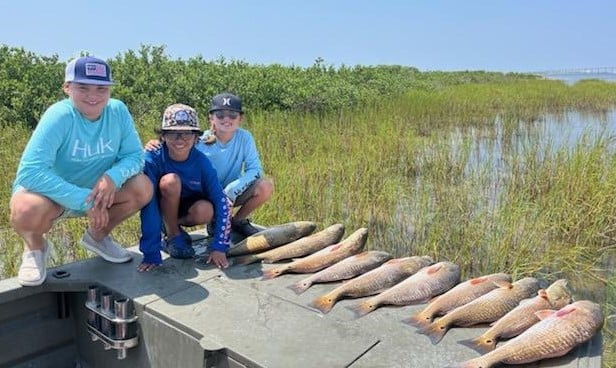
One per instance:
(486, 308)
(272, 237)
(323, 258)
(343, 270)
(459, 295)
(426, 283)
(554, 335)
(374, 281)
(522, 317)
(297, 248)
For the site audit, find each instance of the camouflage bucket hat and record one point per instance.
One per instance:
(180, 117)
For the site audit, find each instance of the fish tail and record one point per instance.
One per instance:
(363, 308)
(244, 260)
(435, 331)
(324, 303)
(300, 286)
(270, 274)
(481, 344)
(419, 320)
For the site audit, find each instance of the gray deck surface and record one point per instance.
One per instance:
(266, 323)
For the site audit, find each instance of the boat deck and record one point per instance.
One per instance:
(194, 315)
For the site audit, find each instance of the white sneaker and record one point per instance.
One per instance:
(107, 248)
(33, 270)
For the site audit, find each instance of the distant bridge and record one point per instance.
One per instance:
(601, 70)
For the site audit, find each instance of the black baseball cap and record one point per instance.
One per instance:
(226, 101)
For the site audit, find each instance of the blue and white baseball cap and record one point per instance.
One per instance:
(88, 70)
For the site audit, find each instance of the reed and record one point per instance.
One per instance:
(464, 173)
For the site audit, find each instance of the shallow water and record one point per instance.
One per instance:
(576, 77)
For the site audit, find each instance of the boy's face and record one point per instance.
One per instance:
(226, 121)
(180, 143)
(89, 99)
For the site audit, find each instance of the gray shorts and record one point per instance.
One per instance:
(66, 213)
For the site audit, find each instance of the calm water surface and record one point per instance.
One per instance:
(491, 146)
(573, 78)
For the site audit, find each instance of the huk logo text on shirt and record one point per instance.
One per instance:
(85, 150)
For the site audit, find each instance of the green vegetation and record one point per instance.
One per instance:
(445, 164)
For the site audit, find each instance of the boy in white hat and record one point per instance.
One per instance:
(83, 159)
(186, 193)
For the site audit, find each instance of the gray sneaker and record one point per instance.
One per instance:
(107, 248)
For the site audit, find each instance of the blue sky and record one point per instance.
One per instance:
(494, 35)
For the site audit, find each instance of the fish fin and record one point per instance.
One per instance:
(434, 268)
(543, 294)
(565, 310)
(480, 344)
(473, 363)
(419, 320)
(503, 284)
(324, 303)
(300, 286)
(394, 261)
(544, 313)
(478, 280)
(270, 274)
(363, 308)
(244, 260)
(435, 331)
(335, 247)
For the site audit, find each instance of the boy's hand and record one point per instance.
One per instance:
(146, 267)
(152, 145)
(219, 259)
(99, 218)
(103, 193)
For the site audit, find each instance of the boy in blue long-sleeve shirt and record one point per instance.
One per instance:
(84, 159)
(186, 193)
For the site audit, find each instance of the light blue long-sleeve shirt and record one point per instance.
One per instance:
(237, 162)
(67, 153)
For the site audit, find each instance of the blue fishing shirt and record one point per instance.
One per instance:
(67, 153)
(237, 162)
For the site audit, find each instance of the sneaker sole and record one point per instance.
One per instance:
(105, 256)
(34, 283)
(44, 276)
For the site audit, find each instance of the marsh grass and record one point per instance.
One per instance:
(457, 174)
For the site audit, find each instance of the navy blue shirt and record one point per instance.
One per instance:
(199, 180)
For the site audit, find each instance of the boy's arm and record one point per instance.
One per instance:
(252, 169)
(222, 207)
(35, 172)
(151, 220)
(130, 158)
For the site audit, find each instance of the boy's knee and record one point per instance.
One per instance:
(170, 183)
(266, 188)
(146, 193)
(140, 190)
(24, 215)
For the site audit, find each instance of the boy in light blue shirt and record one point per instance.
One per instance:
(84, 159)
